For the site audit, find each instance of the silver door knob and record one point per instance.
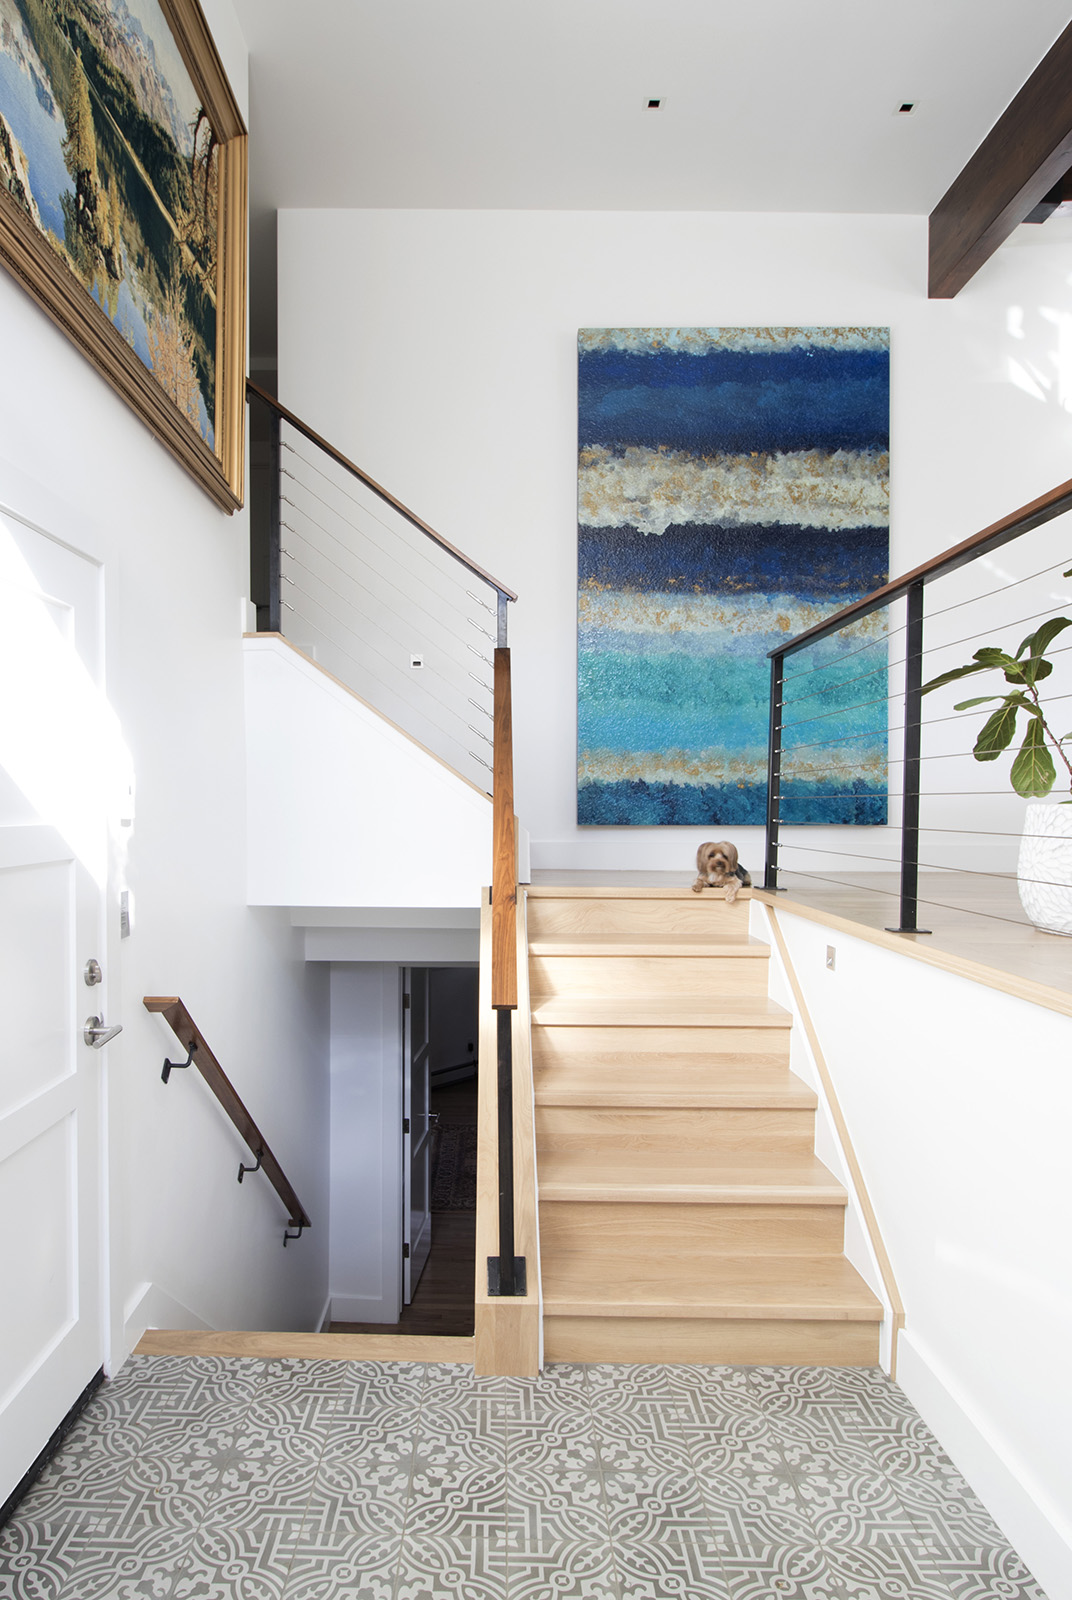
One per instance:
(96, 1034)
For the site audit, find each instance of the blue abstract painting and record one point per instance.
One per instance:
(733, 490)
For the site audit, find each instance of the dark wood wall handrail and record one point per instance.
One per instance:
(355, 471)
(182, 1025)
(1010, 527)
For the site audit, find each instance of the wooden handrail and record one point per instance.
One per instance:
(190, 1037)
(1036, 512)
(504, 847)
(355, 471)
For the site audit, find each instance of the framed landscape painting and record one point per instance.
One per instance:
(123, 210)
(733, 490)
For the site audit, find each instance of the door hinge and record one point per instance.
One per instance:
(405, 1124)
(405, 1252)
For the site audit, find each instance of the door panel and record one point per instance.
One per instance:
(416, 1212)
(51, 911)
(36, 962)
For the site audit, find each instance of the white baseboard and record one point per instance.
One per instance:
(152, 1307)
(1025, 1509)
(361, 1308)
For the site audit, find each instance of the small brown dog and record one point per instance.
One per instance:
(718, 869)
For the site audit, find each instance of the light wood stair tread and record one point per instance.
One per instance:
(664, 1080)
(631, 944)
(551, 891)
(781, 1287)
(639, 1175)
(656, 1011)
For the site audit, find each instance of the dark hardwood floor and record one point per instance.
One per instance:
(443, 1301)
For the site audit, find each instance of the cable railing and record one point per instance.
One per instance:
(373, 594)
(864, 730)
(363, 585)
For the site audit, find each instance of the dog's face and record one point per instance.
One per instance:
(717, 862)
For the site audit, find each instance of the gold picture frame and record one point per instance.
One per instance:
(46, 271)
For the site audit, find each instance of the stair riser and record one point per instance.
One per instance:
(598, 976)
(701, 918)
(709, 1342)
(629, 1234)
(588, 1134)
(772, 1044)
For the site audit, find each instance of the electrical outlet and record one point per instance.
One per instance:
(831, 957)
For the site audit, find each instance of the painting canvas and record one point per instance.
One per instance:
(112, 162)
(733, 491)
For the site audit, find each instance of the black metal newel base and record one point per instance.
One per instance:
(518, 1287)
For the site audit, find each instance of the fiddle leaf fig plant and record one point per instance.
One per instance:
(1033, 772)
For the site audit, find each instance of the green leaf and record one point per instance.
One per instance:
(996, 733)
(992, 655)
(1033, 771)
(951, 677)
(1042, 638)
(980, 700)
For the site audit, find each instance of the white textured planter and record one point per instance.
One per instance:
(1044, 871)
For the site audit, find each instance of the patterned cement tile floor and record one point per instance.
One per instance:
(218, 1479)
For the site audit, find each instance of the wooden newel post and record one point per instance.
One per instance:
(506, 1272)
(504, 848)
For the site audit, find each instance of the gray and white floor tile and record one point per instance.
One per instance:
(215, 1478)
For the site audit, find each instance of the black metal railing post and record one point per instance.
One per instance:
(774, 771)
(506, 1272)
(265, 532)
(913, 731)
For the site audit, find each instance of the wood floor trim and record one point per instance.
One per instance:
(915, 948)
(306, 1346)
(885, 1266)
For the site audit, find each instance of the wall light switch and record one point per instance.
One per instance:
(831, 957)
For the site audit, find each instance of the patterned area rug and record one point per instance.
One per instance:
(454, 1168)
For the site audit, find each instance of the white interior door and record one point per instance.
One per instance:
(53, 864)
(416, 1184)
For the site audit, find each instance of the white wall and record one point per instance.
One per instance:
(186, 1241)
(959, 1101)
(438, 349)
(343, 808)
(366, 1142)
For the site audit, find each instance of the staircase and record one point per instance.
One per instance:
(683, 1213)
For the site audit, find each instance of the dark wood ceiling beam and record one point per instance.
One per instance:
(1026, 152)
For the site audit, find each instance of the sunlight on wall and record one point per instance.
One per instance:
(1050, 381)
(60, 740)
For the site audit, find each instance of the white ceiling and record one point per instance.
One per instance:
(768, 105)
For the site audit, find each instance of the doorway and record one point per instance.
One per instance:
(438, 1113)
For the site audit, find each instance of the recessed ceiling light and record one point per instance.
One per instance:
(906, 108)
(654, 105)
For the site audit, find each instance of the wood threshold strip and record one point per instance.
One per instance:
(1052, 504)
(885, 1266)
(1026, 152)
(189, 1035)
(1039, 994)
(355, 471)
(307, 1346)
